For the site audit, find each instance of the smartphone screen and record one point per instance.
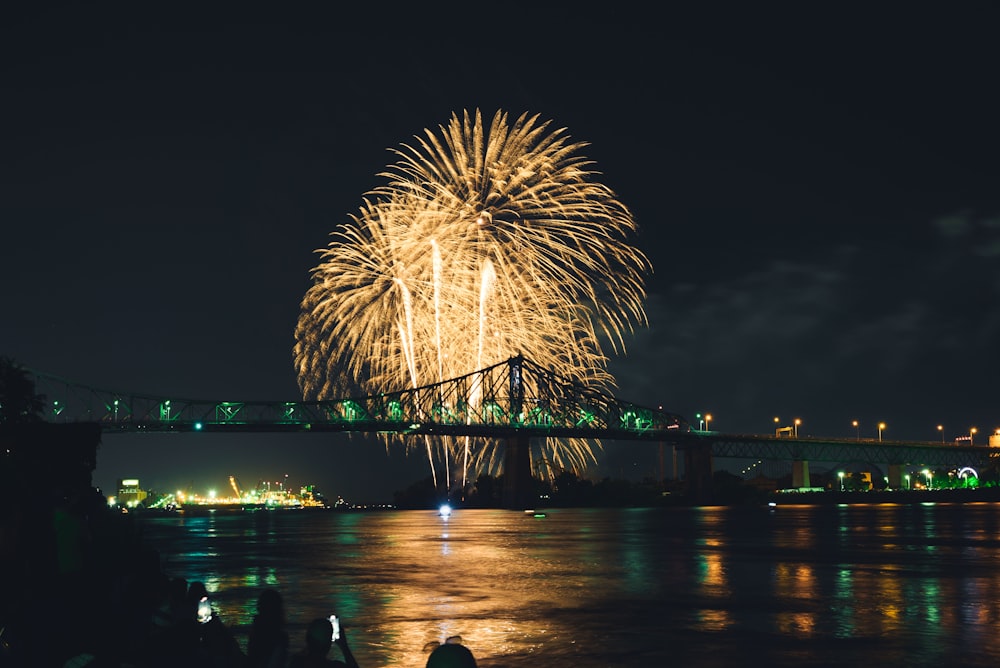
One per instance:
(204, 610)
(335, 623)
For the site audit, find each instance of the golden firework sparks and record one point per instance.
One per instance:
(482, 244)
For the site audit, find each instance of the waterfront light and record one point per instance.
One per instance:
(840, 474)
(930, 478)
(907, 479)
(444, 511)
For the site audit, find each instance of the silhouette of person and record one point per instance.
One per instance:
(177, 599)
(267, 645)
(319, 640)
(195, 635)
(195, 592)
(451, 655)
(218, 647)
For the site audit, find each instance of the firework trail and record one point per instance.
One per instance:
(481, 244)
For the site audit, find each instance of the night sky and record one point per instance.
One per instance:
(817, 190)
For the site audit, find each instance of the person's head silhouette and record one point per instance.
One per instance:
(271, 607)
(319, 637)
(451, 655)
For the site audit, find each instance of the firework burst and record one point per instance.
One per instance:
(481, 244)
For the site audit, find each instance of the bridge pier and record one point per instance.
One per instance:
(800, 474)
(895, 475)
(698, 473)
(517, 473)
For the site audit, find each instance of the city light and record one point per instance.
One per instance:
(840, 474)
(972, 435)
(941, 431)
(881, 428)
(797, 423)
(857, 429)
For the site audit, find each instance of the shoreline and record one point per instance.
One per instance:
(978, 495)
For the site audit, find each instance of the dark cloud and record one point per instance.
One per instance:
(854, 331)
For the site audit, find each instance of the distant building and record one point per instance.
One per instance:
(129, 492)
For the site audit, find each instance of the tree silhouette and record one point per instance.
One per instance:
(18, 401)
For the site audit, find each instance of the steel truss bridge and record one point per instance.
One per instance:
(516, 400)
(813, 449)
(512, 398)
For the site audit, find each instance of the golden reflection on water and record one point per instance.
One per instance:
(452, 584)
(574, 588)
(795, 582)
(710, 570)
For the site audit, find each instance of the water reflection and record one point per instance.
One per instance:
(884, 584)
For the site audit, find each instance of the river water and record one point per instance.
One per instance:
(792, 585)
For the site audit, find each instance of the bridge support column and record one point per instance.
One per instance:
(895, 475)
(800, 474)
(517, 474)
(698, 473)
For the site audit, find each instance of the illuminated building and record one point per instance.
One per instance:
(129, 492)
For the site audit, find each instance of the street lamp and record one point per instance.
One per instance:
(941, 431)
(840, 474)
(906, 477)
(972, 434)
(708, 418)
(881, 426)
(930, 478)
(857, 429)
(797, 423)
(701, 421)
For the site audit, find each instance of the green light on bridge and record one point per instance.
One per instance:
(353, 411)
